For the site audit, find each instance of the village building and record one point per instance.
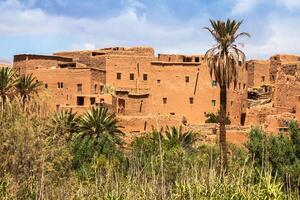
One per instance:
(144, 84)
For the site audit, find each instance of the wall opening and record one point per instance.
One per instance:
(145, 77)
(119, 76)
(79, 87)
(187, 79)
(165, 100)
(243, 119)
(131, 76)
(80, 101)
(92, 100)
(191, 100)
(197, 59)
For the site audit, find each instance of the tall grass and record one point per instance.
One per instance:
(33, 165)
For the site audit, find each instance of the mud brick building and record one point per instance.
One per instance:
(145, 84)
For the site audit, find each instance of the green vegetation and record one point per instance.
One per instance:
(65, 155)
(215, 118)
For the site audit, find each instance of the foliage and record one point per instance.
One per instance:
(27, 85)
(7, 81)
(215, 118)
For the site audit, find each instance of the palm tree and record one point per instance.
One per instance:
(63, 124)
(222, 61)
(7, 82)
(176, 136)
(97, 123)
(27, 85)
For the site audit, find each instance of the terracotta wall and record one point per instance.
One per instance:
(258, 72)
(67, 95)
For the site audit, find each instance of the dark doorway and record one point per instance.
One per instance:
(243, 118)
(121, 106)
(80, 101)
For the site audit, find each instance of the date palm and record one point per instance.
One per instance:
(64, 124)
(176, 136)
(98, 123)
(7, 82)
(27, 85)
(223, 60)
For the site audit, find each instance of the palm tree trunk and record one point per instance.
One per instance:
(222, 139)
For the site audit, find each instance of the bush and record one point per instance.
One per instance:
(215, 118)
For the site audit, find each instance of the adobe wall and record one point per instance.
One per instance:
(298, 107)
(25, 62)
(67, 95)
(258, 72)
(287, 87)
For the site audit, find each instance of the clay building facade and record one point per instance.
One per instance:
(145, 84)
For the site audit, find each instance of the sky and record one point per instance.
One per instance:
(169, 26)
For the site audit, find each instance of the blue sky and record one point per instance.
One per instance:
(170, 26)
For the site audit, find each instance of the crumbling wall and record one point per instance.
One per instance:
(258, 72)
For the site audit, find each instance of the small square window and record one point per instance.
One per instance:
(191, 100)
(61, 85)
(79, 87)
(119, 76)
(244, 86)
(158, 81)
(214, 83)
(187, 79)
(197, 59)
(46, 86)
(214, 102)
(58, 85)
(165, 100)
(145, 77)
(263, 79)
(131, 76)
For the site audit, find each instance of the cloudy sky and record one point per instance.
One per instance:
(170, 26)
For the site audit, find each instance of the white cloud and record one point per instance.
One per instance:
(243, 6)
(290, 4)
(131, 29)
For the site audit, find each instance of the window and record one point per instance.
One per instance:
(93, 100)
(263, 79)
(101, 88)
(79, 87)
(165, 100)
(197, 59)
(214, 83)
(119, 76)
(145, 77)
(273, 78)
(95, 88)
(131, 76)
(172, 113)
(244, 86)
(158, 81)
(60, 85)
(187, 79)
(46, 86)
(191, 100)
(214, 102)
(80, 101)
(239, 85)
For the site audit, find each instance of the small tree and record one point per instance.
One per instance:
(7, 82)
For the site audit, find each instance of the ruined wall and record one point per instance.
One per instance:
(258, 72)
(287, 87)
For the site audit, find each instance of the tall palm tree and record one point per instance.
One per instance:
(97, 123)
(223, 61)
(7, 82)
(27, 85)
